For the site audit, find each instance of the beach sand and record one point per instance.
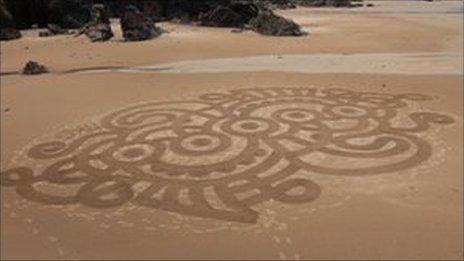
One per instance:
(404, 211)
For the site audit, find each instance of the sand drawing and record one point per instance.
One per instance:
(221, 154)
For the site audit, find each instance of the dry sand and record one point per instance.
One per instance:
(410, 211)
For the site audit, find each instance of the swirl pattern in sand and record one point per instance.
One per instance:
(221, 154)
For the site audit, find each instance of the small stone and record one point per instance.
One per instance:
(45, 34)
(34, 68)
(237, 30)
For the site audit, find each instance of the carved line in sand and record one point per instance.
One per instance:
(223, 153)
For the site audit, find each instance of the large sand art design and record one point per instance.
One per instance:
(221, 154)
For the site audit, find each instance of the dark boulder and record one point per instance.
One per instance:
(268, 23)
(136, 26)
(34, 68)
(8, 29)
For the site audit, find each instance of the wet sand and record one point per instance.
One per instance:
(404, 212)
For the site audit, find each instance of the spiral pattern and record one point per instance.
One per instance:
(243, 146)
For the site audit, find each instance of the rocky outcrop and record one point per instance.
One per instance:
(233, 15)
(34, 68)
(8, 29)
(69, 14)
(136, 26)
(99, 28)
(268, 23)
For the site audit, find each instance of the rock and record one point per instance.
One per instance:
(233, 15)
(7, 34)
(46, 34)
(268, 23)
(99, 32)
(138, 27)
(99, 28)
(8, 29)
(34, 68)
(100, 14)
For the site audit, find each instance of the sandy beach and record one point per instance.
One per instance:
(386, 185)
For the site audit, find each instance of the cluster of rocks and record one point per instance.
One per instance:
(138, 17)
(259, 18)
(135, 25)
